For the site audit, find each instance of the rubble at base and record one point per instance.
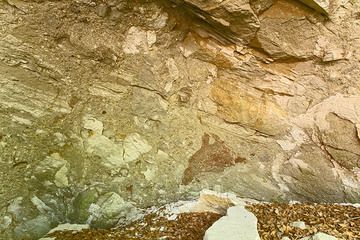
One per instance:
(187, 221)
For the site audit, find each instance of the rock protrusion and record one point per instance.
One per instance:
(234, 19)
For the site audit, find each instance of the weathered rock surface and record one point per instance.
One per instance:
(234, 19)
(107, 106)
(238, 224)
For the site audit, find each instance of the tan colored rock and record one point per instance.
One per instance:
(217, 202)
(149, 104)
(260, 6)
(234, 19)
(241, 105)
(286, 32)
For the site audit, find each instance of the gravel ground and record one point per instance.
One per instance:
(274, 222)
(189, 226)
(337, 220)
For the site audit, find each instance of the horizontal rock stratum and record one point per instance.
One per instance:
(110, 106)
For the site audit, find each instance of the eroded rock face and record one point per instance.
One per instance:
(109, 106)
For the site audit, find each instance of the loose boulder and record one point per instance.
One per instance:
(238, 224)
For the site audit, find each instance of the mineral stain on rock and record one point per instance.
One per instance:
(211, 157)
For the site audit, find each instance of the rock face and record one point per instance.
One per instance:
(238, 224)
(110, 106)
(234, 19)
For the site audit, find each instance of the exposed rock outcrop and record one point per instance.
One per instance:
(139, 103)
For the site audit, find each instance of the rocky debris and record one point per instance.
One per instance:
(238, 224)
(276, 221)
(208, 201)
(66, 227)
(187, 226)
(109, 210)
(320, 236)
(298, 224)
(69, 227)
(182, 220)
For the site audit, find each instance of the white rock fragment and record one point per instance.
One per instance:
(134, 146)
(21, 120)
(69, 227)
(93, 124)
(238, 224)
(40, 205)
(6, 222)
(151, 38)
(320, 236)
(138, 40)
(298, 224)
(209, 201)
(110, 208)
(334, 55)
(61, 179)
(173, 70)
(160, 20)
(111, 153)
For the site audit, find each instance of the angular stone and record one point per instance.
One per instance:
(137, 40)
(238, 224)
(33, 228)
(298, 224)
(69, 227)
(286, 32)
(93, 124)
(134, 146)
(211, 201)
(102, 10)
(109, 210)
(80, 207)
(61, 179)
